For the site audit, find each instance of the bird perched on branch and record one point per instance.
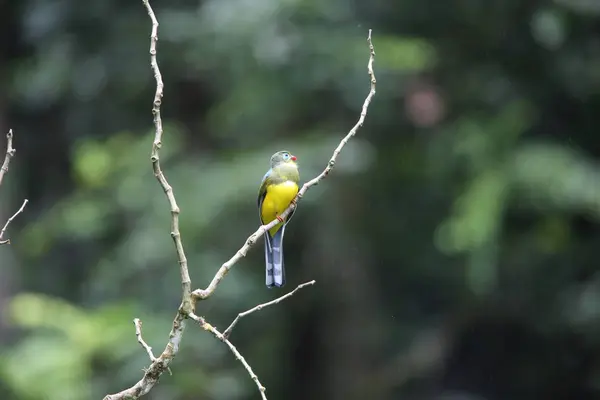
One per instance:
(278, 190)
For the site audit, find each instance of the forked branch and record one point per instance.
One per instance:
(209, 328)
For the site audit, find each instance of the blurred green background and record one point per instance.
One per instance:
(454, 246)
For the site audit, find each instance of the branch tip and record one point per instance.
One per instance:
(3, 231)
(259, 307)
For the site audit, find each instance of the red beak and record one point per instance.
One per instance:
(294, 158)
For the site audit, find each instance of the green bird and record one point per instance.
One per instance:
(277, 190)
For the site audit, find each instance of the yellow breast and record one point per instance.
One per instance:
(277, 199)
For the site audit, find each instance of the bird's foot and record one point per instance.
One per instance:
(279, 219)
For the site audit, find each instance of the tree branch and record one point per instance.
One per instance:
(261, 306)
(208, 327)
(161, 363)
(202, 294)
(138, 334)
(10, 153)
(7, 241)
(186, 309)
(155, 159)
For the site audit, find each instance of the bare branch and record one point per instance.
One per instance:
(158, 173)
(138, 334)
(158, 366)
(208, 327)
(259, 307)
(10, 153)
(161, 363)
(201, 294)
(7, 241)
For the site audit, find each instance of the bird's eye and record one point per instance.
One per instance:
(286, 156)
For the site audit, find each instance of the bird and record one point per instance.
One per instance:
(278, 190)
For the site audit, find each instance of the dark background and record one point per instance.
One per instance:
(454, 245)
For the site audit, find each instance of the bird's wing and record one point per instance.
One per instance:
(262, 192)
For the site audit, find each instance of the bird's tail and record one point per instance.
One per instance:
(275, 270)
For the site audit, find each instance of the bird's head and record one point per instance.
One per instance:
(283, 157)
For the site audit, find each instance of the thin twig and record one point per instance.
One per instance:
(7, 241)
(138, 334)
(202, 294)
(208, 327)
(10, 153)
(259, 307)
